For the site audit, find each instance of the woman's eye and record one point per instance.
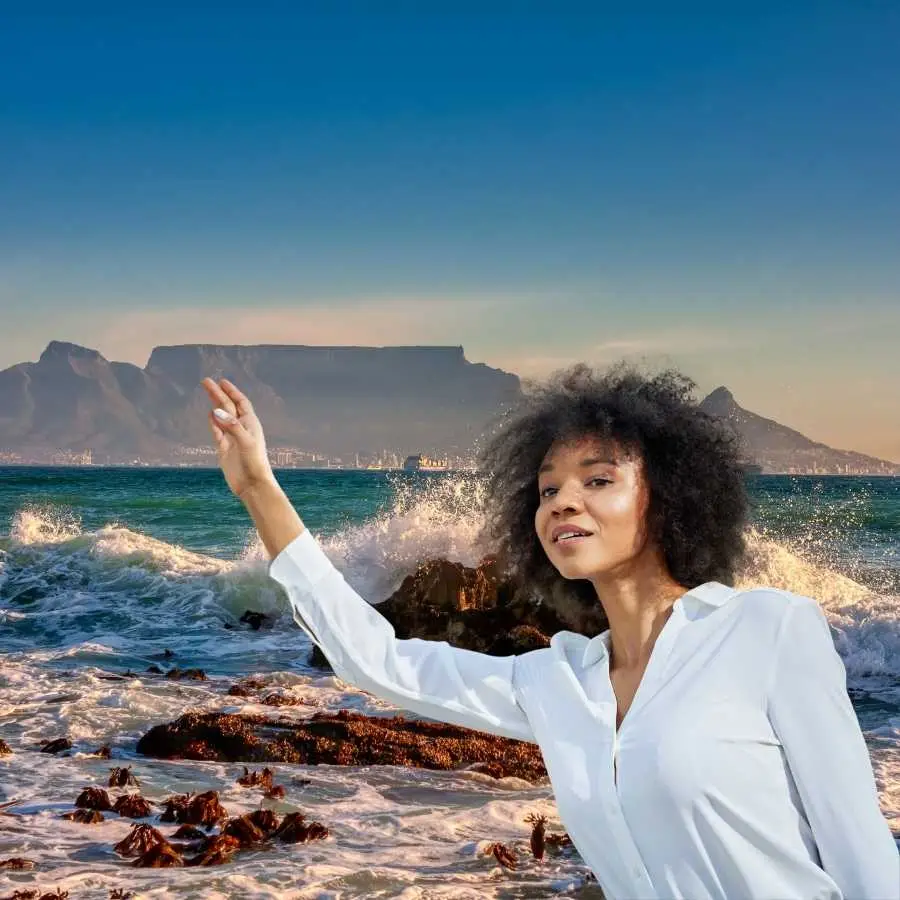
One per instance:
(599, 479)
(546, 490)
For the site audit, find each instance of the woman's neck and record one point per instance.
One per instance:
(637, 605)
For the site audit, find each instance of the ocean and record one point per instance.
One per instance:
(103, 570)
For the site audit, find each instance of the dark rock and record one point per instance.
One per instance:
(85, 816)
(175, 807)
(318, 659)
(202, 809)
(264, 819)
(181, 674)
(481, 609)
(139, 841)
(93, 798)
(276, 792)
(503, 854)
(257, 779)
(133, 806)
(246, 687)
(103, 752)
(121, 777)
(295, 830)
(218, 851)
(538, 827)
(558, 840)
(245, 830)
(5, 749)
(159, 856)
(342, 738)
(189, 833)
(120, 894)
(256, 619)
(16, 864)
(56, 746)
(155, 670)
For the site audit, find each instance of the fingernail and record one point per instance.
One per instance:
(223, 416)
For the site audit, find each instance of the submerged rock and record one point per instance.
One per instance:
(93, 798)
(189, 833)
(182, 674)
(342, 738)
(56, 746)
(256, 619)
(5, 749)
(85, 816)
(133, 806)
(187, 809)
(121, 777)
(219, 850)
(296, 830)
(264, 819)
(160, 856)
(504, 855)
(245, 830)
(141, 839)
(16, 864)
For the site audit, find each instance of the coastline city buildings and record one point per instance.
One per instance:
(384, 460)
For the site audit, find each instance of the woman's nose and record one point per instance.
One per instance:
(566, 499)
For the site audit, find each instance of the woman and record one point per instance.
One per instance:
(703, 746)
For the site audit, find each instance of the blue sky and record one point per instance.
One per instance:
(715, 189)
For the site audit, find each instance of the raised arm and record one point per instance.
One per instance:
(428, 677)
(815, 721)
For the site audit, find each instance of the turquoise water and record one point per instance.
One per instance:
(102, 570)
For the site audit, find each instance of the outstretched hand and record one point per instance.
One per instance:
(239, 439)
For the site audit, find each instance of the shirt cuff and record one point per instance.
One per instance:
(302, 562)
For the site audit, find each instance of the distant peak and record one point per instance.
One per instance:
(65, 350)
(720, 402)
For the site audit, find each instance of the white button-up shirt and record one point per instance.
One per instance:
(739, 771)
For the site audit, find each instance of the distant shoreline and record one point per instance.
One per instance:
(169, 468)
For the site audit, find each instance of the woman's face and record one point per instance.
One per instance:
(590, 519)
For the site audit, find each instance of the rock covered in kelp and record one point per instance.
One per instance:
(504, 855)
(189, 833)
(200, 809)
(85, 816)
(264, 819)
(121, 777)
(538, 828)
(186, 674)
(104, 752)
(5, 749)
(133, 806)
(139, 840)
(17, 864)
(159, 856)
(342, 738)
(120, 894)
(244, 830)
(481, 609)
(93, 798)
(257, 779)
(217, 851)
(294, 829)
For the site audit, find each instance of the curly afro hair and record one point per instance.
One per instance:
(692, 461)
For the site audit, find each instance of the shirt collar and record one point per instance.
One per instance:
(711, 594)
